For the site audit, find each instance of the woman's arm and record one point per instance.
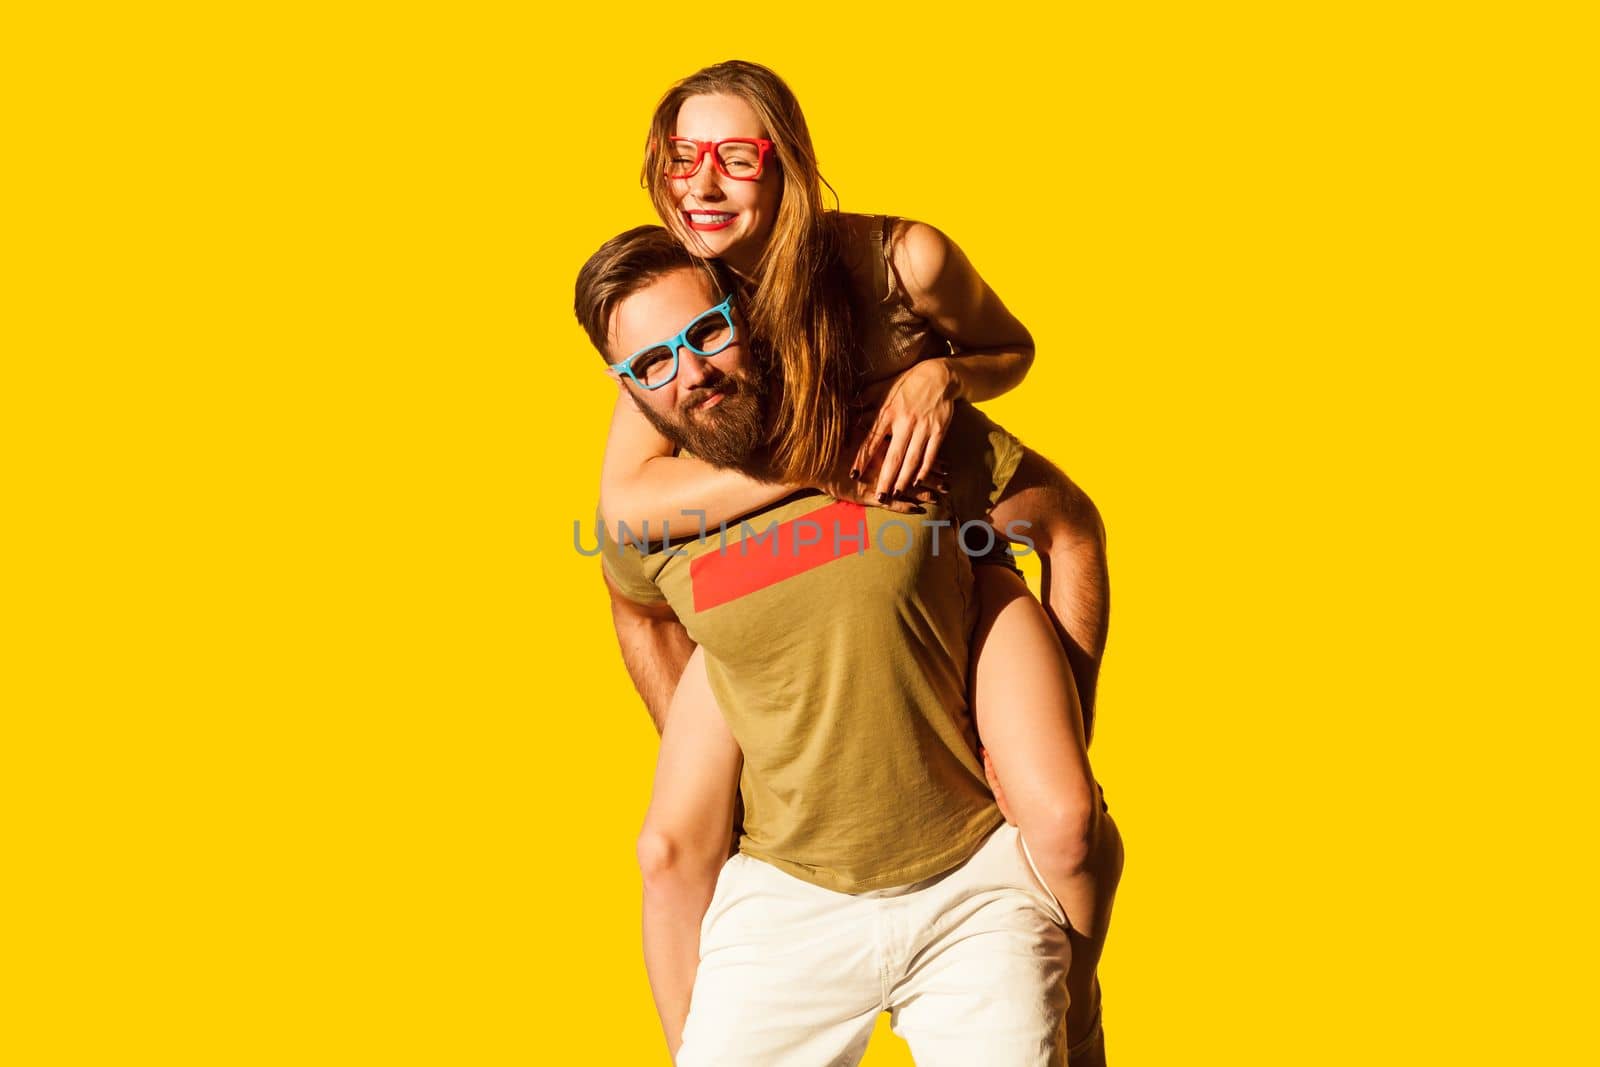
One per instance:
(642, 482)
(685, 841)
(993, 350)
(992, 354)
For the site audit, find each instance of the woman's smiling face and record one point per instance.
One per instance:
(723, 217)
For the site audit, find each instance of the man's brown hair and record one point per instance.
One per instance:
(621, 267)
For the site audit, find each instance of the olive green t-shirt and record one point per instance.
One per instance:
(836, 642)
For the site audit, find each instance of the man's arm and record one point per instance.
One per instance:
(655, 648)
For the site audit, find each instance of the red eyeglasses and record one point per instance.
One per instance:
(740, 158)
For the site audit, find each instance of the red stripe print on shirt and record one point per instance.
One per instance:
(771, 555)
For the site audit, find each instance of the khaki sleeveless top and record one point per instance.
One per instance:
(837, 644)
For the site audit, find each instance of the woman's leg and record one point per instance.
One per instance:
(1026, 707)
(684, 842)
(1065, 528)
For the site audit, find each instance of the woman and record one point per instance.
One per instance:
(854, 308)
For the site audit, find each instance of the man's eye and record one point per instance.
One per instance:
(650, 360)
(708, 333)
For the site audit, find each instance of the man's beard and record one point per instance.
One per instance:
(726, 435)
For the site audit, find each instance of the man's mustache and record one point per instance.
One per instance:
(702, 393)
(727, 385)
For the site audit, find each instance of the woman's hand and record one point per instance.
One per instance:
(911, 424)
(860, 485)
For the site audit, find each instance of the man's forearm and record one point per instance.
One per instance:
(654, 651)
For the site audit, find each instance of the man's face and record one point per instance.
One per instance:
(715, 406)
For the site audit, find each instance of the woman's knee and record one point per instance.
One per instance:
(660, 855)
(1061, 834)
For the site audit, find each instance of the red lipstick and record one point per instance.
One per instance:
(706, 227)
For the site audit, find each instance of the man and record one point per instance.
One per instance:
(874, 871)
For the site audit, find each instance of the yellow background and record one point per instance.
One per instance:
(317, 746)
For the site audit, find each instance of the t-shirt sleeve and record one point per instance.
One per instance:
(625, 565)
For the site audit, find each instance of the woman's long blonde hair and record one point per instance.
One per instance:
(800, 310)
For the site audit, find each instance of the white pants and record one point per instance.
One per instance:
(969, 964)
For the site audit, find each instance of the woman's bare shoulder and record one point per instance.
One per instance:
(921, 253)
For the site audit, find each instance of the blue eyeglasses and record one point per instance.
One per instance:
(655, 365)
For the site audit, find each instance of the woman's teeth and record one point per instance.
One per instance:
(709, 216)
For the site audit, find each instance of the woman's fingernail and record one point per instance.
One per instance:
(883, 498)
(854, 473)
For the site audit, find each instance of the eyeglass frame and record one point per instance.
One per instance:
(709, 148)
(681, 340)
